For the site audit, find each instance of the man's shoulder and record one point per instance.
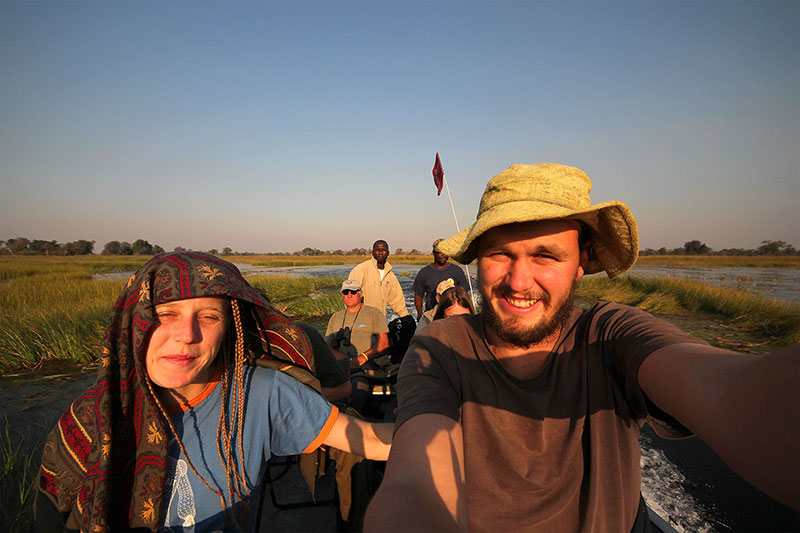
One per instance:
(612, 320)
(362, 266)
(337, 314)
(605, 309)
(371, 311)
(425, 270)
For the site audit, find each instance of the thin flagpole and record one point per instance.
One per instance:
(458, 229)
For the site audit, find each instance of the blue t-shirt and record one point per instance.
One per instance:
(282, 416)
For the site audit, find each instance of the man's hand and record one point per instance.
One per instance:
(356, 362)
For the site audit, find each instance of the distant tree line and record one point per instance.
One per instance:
(355, 251)
(139, 247)
(700, 248)
(23, 246)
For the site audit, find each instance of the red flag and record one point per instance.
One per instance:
(438, 175)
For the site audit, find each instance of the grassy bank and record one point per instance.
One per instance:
(722, 261)
(775, 321)
(12, 267)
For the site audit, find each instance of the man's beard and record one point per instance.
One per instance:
(515, 332)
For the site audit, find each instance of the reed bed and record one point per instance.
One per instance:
(301, 297)
(776, 320)
(88, 265)
(19, 464)
(722, 261)
(60, 317)
(53, 317)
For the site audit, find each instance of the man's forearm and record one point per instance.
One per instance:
(401, 506)
(423, 487)
(744, 406)
(418, 301)
(367, 439)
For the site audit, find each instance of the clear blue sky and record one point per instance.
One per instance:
(274, 126)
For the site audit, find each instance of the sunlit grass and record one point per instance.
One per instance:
(777, 320)
(19, 460)
(721, 261)
(60, 317)
(85, 265)
(301, 297)
(53, 317)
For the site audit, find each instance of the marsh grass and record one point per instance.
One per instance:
(720, 261)
(21, 266)
(301, 297)
(19, 456)
(283, 288)
(60, 317)
(53, 317)
(776, 320)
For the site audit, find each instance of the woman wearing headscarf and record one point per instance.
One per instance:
(201, 379)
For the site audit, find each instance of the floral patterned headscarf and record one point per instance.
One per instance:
(104, 464)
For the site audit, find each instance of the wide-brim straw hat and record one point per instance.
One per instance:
(550, 191)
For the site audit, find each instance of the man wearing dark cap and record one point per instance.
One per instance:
(526, 416)
(430, 276)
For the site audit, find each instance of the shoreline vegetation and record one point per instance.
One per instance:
(55, 311)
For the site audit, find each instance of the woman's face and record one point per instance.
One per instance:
(184, 344)
(456, 309)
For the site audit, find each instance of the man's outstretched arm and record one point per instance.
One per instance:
(367, 439)
(745, 406)
(423, 487)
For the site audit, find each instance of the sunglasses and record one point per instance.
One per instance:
(348, 291)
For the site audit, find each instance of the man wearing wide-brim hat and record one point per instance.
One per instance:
(527, 416)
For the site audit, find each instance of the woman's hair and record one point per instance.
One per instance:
(453, 295)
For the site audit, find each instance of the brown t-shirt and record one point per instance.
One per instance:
(532, 459)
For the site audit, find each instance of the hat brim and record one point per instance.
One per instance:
(613, 232)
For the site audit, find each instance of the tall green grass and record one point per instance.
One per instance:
(19, 464)
(60, 317)
(21, 266)
(53, 317)
(722, 261)
(301, 297)
(777, 320)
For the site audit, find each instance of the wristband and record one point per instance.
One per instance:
(365, 357)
